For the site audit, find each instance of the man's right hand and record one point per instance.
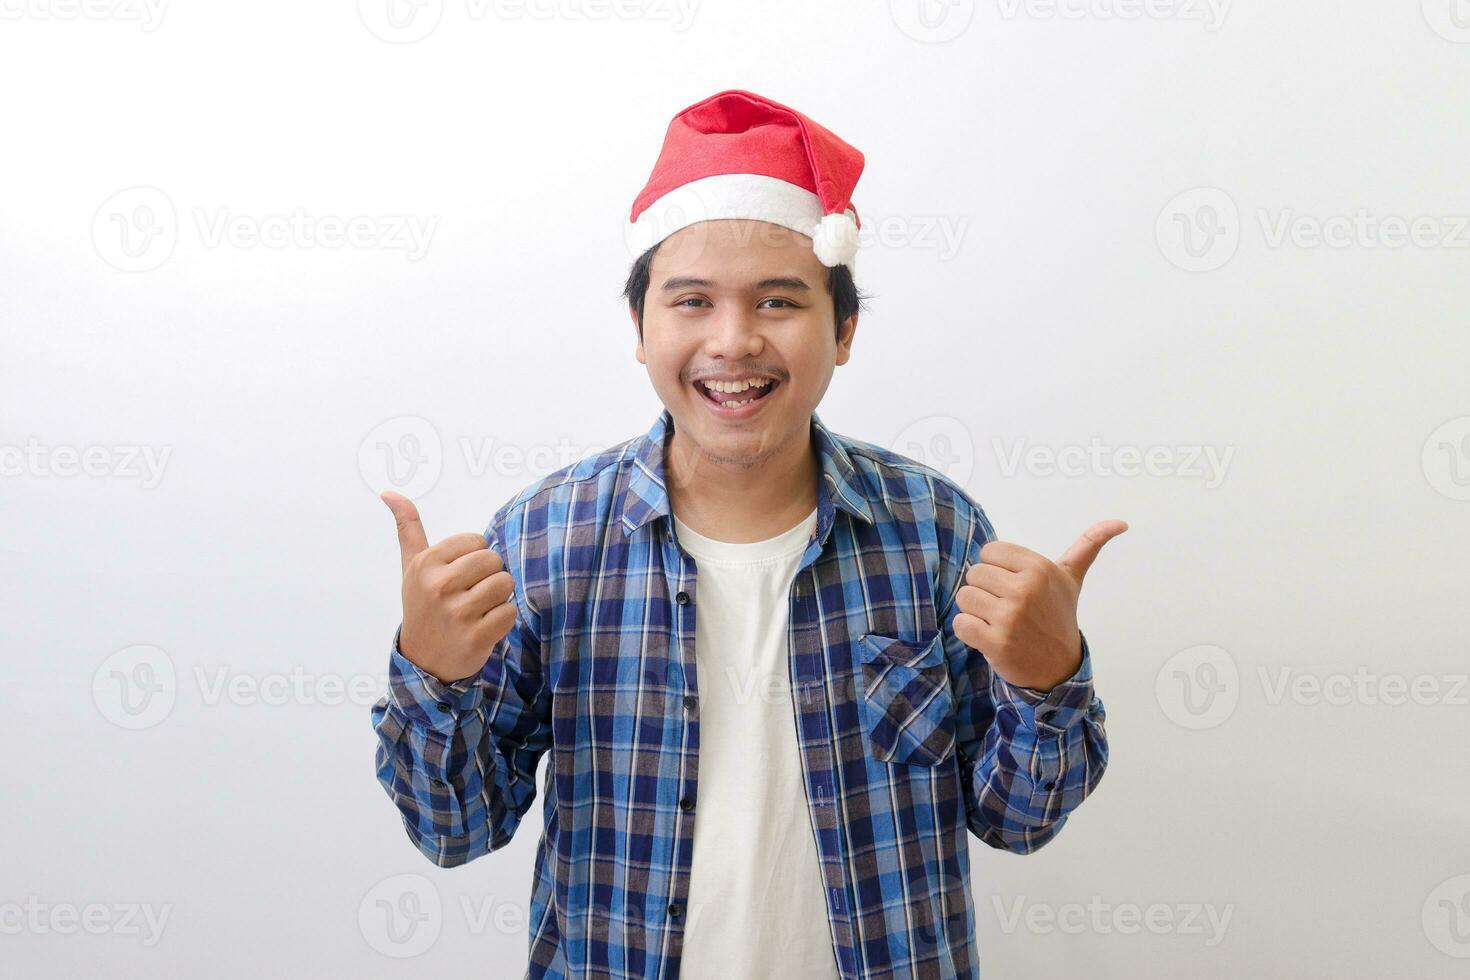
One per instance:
(456, 597)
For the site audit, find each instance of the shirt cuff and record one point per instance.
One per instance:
(424, 699)
(1052, 711)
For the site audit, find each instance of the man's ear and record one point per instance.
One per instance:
(638, 327)
(844, 338)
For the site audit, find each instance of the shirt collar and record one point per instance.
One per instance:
(646, 495)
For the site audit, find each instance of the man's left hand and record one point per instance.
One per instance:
(1020, 609)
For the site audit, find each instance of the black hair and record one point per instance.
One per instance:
(846, 299)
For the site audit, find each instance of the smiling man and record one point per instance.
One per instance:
(781, 674)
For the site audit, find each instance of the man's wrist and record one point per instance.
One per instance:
(427, 699)
(1056, 708)
(427, 667)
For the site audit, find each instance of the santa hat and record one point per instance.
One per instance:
(740, 155)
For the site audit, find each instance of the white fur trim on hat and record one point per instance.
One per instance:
(753, 196)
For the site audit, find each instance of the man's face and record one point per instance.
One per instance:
(738, 299)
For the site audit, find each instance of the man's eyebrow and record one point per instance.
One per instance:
(776, 282)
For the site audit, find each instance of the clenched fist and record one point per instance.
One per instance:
(1020, 609)
(456, 597)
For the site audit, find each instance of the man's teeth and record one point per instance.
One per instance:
(736, 386)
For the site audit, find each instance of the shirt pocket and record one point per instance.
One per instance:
(908, 705)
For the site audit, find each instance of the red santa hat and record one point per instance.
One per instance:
(740, 155)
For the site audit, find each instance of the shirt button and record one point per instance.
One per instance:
(1049, 784)
(444, 707)
(682, 598)
(686, 804)
(437, 782)
(676, 910)
(690, 702)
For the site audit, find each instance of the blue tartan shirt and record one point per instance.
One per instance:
(908, 740)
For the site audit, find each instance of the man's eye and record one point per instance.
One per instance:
(691, 299)
(777, 299)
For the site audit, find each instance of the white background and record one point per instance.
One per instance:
(1083, 302)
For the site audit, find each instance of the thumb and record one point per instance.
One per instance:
(411, 539)
(1079, 558)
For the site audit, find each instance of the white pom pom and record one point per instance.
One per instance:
(835, 239)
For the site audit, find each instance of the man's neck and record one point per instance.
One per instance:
(731, 501)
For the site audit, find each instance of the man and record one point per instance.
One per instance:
(780, 672)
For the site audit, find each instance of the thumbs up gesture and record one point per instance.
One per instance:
(456, 597)
(1020, 609)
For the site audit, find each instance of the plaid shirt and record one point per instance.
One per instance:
(907, 737)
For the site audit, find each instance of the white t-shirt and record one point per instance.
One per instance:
(757, 905)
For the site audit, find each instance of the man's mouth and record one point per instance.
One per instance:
(722, 397)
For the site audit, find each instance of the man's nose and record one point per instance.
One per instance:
(735, 333)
